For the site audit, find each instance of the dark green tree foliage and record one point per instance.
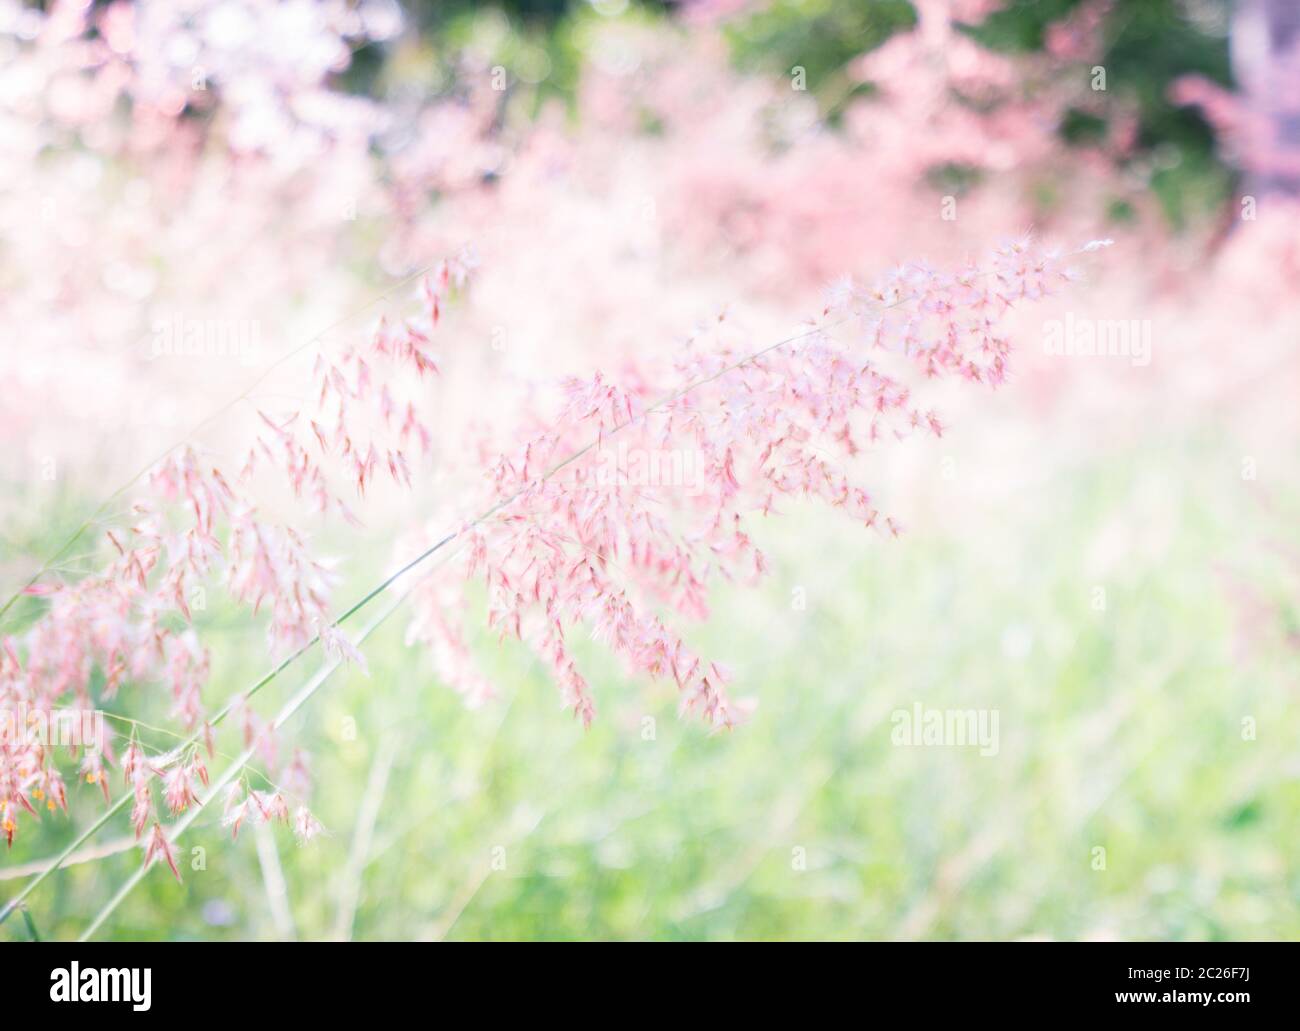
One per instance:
(1148, 44)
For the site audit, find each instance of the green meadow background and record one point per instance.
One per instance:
(1119, 729)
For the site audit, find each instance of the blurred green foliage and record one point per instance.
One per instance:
(820, 36)
(1148, 44)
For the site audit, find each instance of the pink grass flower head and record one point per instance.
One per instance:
(612, 514)
(577, 539)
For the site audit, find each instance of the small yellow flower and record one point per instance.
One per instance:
(38, 794)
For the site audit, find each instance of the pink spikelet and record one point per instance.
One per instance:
(235, 809)
(305, 825)
(159, 847)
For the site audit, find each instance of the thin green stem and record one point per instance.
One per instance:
(234, 769)
(216, 753)
(58, 860)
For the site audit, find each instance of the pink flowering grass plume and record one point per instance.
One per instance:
(195, 524)
(576, 537)
(584, 525)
